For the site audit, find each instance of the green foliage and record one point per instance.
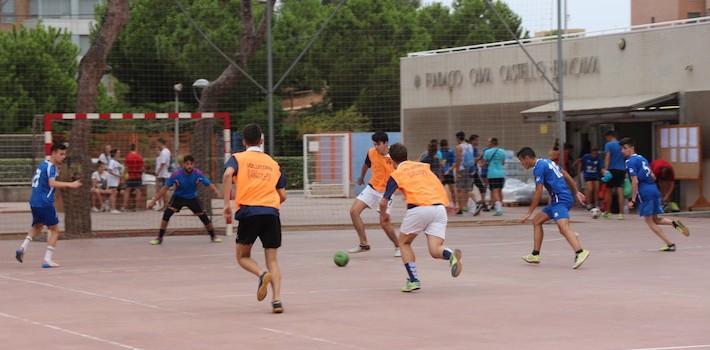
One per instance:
(343, 120)
(37, 71)
(292, 168)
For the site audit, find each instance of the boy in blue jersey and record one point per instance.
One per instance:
(614, 164)
(185, 183)
(590, 166)
(562, 190)
(44, 183)
(645, 195)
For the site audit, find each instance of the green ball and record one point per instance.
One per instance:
(341, 258)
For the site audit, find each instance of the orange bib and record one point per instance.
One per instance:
(382, 167)
(256, 180)
(419, 184)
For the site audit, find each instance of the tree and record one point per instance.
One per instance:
(473, 23)
(91, 69)
(37, 70)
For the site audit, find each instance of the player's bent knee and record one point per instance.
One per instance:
(167, 213)
(205, 219)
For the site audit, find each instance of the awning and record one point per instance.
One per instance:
(607, 105)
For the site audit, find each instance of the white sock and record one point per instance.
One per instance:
(48, 254)
(499, 206)
(26, 242)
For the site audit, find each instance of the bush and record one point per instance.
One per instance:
(292, 167)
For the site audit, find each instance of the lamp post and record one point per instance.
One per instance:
(178, 88)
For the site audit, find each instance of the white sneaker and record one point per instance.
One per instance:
(397, 253)
(359, 249)
(95, 210)
(49, 264)
(114, 211)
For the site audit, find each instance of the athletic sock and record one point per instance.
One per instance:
(412, 271)
(535, 252)
(447, 253)
(26, 242)
(49, 253)
(577, 252)
(499, 206)
(161, 233)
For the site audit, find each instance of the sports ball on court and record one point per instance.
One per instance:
(341, 258)
(595, 213)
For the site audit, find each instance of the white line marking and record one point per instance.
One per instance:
(315, 339)
(703, 346)
(63, 330)
(84, 292)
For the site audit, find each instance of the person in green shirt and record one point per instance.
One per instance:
(494, 157)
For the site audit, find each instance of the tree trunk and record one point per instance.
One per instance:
(250, 41)
(77, 203)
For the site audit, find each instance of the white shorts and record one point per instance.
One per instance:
(372, 198)
(430, 219)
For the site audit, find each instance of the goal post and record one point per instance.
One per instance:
(327, 165)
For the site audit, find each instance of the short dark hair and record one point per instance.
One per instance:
(494, 141)
(526, 152)
(627, 141)
(444, 143)
(432, 148)
(473, 137)
(461, 135)
(433, 141)
(610, 133)
(398, 152)
(59, 146)
(133, 147)
(113, 152)
(99, 163)
(188, 158)
(161, 141)
(667, 174)
(251, 134)
(380, 136)
(595, 149)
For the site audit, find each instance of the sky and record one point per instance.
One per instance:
(592, 15)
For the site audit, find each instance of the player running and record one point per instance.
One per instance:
(261, 188)
(379, 161)
(646, 196)
(44, 183)
(558, 183)
(184, 182)
(426, 212)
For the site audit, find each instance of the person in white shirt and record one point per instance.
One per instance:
(106, 155)
(162, 173)
(115, 173)
(99, 187)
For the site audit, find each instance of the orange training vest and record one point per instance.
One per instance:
(382, 167)
(419, 184)
(256, 180)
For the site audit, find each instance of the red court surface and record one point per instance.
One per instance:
(189, 294)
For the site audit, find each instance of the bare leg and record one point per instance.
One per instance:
(405, 245)
(355, 211)
(651, 222)
(273, 267)
(243, 252)
(570, 236)
(126, 194)
(114, 194)
(387, 227)
(620, 199)
(595, 193)
(436, 246)
(538, 233)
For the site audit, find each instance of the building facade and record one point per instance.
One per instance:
(654, 11)
(76, 16)
(633, 82)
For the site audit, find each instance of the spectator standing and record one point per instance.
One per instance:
(434, 161)
(495, 159)
(115, 172)
(476, 174)
(134, 182)
(614, 164)
(448, 159)
(106, 155)
(665, 178)
(162, 173)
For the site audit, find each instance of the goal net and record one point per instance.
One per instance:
(326, 165)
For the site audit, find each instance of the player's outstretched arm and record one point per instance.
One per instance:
(634, 191)
(535, 202)
(64, 184)
(282, 194)
(227, 191)
(214, 189)
(363, 171)
(573, 186)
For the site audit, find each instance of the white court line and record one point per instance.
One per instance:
(64, 330)
(84, 292)
(703, 346)
(315, 339)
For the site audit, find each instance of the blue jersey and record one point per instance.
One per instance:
(449, 158)
(42, 192)
(548, 174)
(638, 166)
(186, 183)
(591, 166)
(616, 158)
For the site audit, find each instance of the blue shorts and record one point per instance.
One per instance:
(649, 203)
(44, 215)
(558, 210)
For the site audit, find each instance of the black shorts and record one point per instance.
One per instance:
(588, 179)
(177, 203)
(617, 178)
(496, 183)
(448, 179)
(478, 182)
(134, 183)
(266, 227)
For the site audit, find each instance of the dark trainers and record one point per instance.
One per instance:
(19, 253)
(277, 307)
(263, 287)
(678, 226)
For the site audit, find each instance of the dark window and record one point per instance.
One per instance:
(693, 14)
(7, 12)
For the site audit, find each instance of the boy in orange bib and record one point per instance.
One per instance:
(426, 212)
(261, 188)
